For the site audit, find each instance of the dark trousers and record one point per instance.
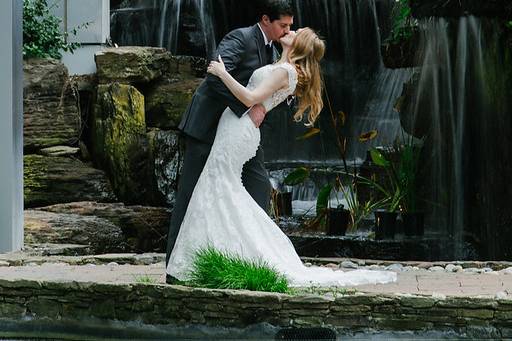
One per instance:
(254, 178)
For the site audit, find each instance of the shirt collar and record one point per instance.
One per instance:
(267, 42)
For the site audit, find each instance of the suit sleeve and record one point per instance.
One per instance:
(231, 48)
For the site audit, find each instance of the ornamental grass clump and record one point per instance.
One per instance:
(220, 270)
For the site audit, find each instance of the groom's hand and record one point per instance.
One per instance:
(257, 114)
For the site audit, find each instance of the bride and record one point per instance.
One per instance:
(221, 213)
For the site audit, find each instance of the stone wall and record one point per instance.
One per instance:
(178, 305)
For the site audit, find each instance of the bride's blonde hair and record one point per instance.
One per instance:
(306, 52)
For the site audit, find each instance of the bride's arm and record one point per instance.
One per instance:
(278, 79)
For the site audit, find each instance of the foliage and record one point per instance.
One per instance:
(42, 36)
(145, 279)
(220, 270)
(402, 22)
(297, 176)
(357, 209)
(399, 186)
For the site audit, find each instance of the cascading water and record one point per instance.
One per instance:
(356, 81)
(460, 102)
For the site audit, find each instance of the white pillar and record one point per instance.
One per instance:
(75, 13)
(11, 126)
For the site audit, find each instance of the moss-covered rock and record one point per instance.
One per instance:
(53, 180)
(119, 140)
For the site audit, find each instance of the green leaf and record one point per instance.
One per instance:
(378, 158)
(322, 201)
(298, 176)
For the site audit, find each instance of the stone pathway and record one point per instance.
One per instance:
(130, 268)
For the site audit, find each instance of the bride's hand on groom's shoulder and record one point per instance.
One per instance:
(216, 67)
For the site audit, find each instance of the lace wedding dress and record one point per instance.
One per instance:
(222, 214)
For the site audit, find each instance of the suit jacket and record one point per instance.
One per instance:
(243, 51)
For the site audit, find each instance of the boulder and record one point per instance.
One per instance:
(60, 228)
(131, 64)
(144, 228)
(167, 100)
(51, 115)
(52, 180)
(166, 160)
(119, 140)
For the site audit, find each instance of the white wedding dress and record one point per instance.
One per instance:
(222, 214)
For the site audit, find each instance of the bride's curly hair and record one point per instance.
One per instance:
(306, 52)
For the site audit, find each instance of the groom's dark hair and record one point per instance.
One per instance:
(274, 9)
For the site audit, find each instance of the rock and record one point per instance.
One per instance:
(395, 267)
(436, 268)
(453, 268)
(374, 267)
(47, 227)
(60, 151)
(166, 101)
(52, 180)
(132, 64)
(487, 270)
(119, 141)
(51, 116)
(501, 295)
(145, 228)
(472, 270)
(166, 161)
(424, 265)
(348, 265)
(507, 271)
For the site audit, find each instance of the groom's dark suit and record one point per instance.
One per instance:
(243, 51)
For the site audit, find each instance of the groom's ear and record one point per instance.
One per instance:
(265, 19)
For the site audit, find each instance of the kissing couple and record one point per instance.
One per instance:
(224, 190)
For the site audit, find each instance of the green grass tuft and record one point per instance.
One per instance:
(219, 270)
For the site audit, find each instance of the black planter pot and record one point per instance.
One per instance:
(413, 223)
(385, 224)
(337, 221)
(284, 203)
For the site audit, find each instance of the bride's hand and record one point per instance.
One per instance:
(216, 68)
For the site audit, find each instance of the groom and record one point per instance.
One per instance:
(243, 51)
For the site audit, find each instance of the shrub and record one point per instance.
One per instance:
(42, 36)
(217, 270)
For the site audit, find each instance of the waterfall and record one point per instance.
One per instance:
(461, 100)
(352, 65)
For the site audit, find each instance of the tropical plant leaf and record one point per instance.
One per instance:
(378, 158)
(370, 135)
(297, 176)
(310, 133)
(322, 201)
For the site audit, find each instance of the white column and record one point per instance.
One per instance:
(74, 13)
(11, 126)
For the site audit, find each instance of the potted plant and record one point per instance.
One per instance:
(398, 188)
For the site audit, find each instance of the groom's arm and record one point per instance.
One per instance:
(232, 48)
